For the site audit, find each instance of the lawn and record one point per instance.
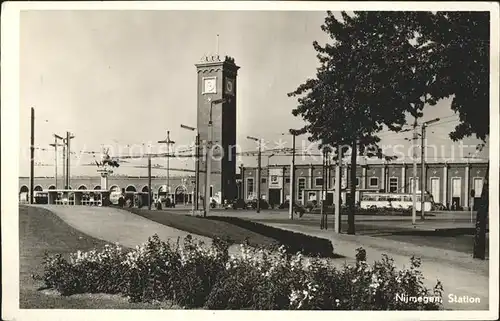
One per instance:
(206, 227)
(238, 230)
(41, 231)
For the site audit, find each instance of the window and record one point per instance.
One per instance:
(478, 187)
(211, 191)
(393, 185)
(411, 184)
(319, 181)
(301, 186)
(373, 181)
(250, 187)
(287, 180)
(456, 187)
(357, 181)
(263, 180)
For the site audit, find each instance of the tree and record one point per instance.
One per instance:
(382, 66)
(458, 59)
(347, 103)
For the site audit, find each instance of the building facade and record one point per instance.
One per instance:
(448, 183)
(181, 190)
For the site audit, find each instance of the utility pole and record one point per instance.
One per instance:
(149, 181)
(423, 184)
(196, 166)
(423, 176)
(242, 187)
(55, 145)
(414, 183)
(322, 226)
(325, 183)
(32, 155)
(259, 183)
(338, 186)
(197, 173)
(259, 169)
(68, 157)
(292, 180)
(209, 156)
(168, 142)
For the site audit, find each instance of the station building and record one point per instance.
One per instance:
(448, 183)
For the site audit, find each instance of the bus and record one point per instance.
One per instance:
(394, 200)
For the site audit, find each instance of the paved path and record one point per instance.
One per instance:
(115, 225)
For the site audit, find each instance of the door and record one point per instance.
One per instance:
(274, 196)
(456, 192)
(435, 189)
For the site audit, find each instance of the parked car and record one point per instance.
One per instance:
(438, 207)
(285, 204)
(236, 204)
(311, 205)
(264, 205)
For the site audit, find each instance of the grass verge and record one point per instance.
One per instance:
(237, 230)
(40, 232)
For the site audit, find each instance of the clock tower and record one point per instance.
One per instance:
(217, 88)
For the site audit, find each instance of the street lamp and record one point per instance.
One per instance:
(197, 167)
(423, 183)
(294, 133)
(55, 145)
(209, 155)
(258, 170)
(268, 158)
(168, 142)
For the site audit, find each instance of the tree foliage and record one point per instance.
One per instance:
(381, 66)
(455, 47)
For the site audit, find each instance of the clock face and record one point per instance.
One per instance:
(230, 86)
(209, 85)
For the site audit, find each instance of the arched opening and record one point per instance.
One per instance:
(145, 189)
(181, 195)
(162, 192)
(52, 187)
(97, 187)
(38, 188)
(115, 193)
(23, 194)
(82, 187)
(130, 188)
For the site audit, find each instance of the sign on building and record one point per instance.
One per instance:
(275, 177)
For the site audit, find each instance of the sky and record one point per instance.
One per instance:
(123, 78)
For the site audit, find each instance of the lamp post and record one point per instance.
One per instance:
(67, 147)
(423, 183)
(197, 167)
(294, 134)
(55, 145)
(259, 156)
(209, 156)
(268, 158)
(168, 142)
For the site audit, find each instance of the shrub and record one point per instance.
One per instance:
(87, 272)
(193, 275)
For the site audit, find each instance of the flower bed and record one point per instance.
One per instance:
(193, 276)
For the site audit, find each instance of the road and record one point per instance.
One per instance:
(443, 230)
